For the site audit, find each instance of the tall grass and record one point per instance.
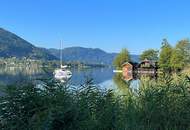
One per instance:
(161, 105)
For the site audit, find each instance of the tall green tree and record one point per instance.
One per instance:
(149, 54)
(165, 56)
(121, 58)
(184, 48)
(181, 55)
(177, 60)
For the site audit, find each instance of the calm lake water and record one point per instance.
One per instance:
(104, 77)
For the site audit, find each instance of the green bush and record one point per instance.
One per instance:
(158, 105)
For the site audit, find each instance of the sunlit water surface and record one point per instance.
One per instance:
(103, 77)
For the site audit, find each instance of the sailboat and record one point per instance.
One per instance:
(63, 73)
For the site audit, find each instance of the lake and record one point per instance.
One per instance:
(104, 77)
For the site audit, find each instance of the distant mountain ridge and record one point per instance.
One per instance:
(88, 55)
(12, 45)
(85, 55)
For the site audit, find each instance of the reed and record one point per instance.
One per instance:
(158, 105)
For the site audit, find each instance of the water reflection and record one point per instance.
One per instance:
(99, 75)
(135, 84)
(102, 76)
(125, 86)
(30, 70)
(10, 75)
(122, 86)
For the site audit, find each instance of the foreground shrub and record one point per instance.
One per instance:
(186, 70)
(160, 105)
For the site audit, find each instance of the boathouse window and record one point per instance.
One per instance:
(145, 65)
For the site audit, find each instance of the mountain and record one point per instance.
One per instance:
(88, 55)
(12, 45)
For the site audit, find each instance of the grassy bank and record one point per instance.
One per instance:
(158, 105)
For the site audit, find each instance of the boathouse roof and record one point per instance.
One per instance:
(147, 64)
(125, 63)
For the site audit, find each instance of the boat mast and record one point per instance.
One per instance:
(61, 47)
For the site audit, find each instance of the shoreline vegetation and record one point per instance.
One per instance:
(24, 62)
(169, 59)
(161, 104)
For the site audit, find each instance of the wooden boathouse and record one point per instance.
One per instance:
(127, 71)
(145, 68)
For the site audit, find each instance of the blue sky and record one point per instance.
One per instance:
(106, 24)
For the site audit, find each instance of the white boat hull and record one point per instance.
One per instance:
(60, 74)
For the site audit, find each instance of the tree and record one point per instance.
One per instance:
(181, 55)
(149, 54)
(121, 58)
(177, 60)
(165, 56)
(184, 48)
